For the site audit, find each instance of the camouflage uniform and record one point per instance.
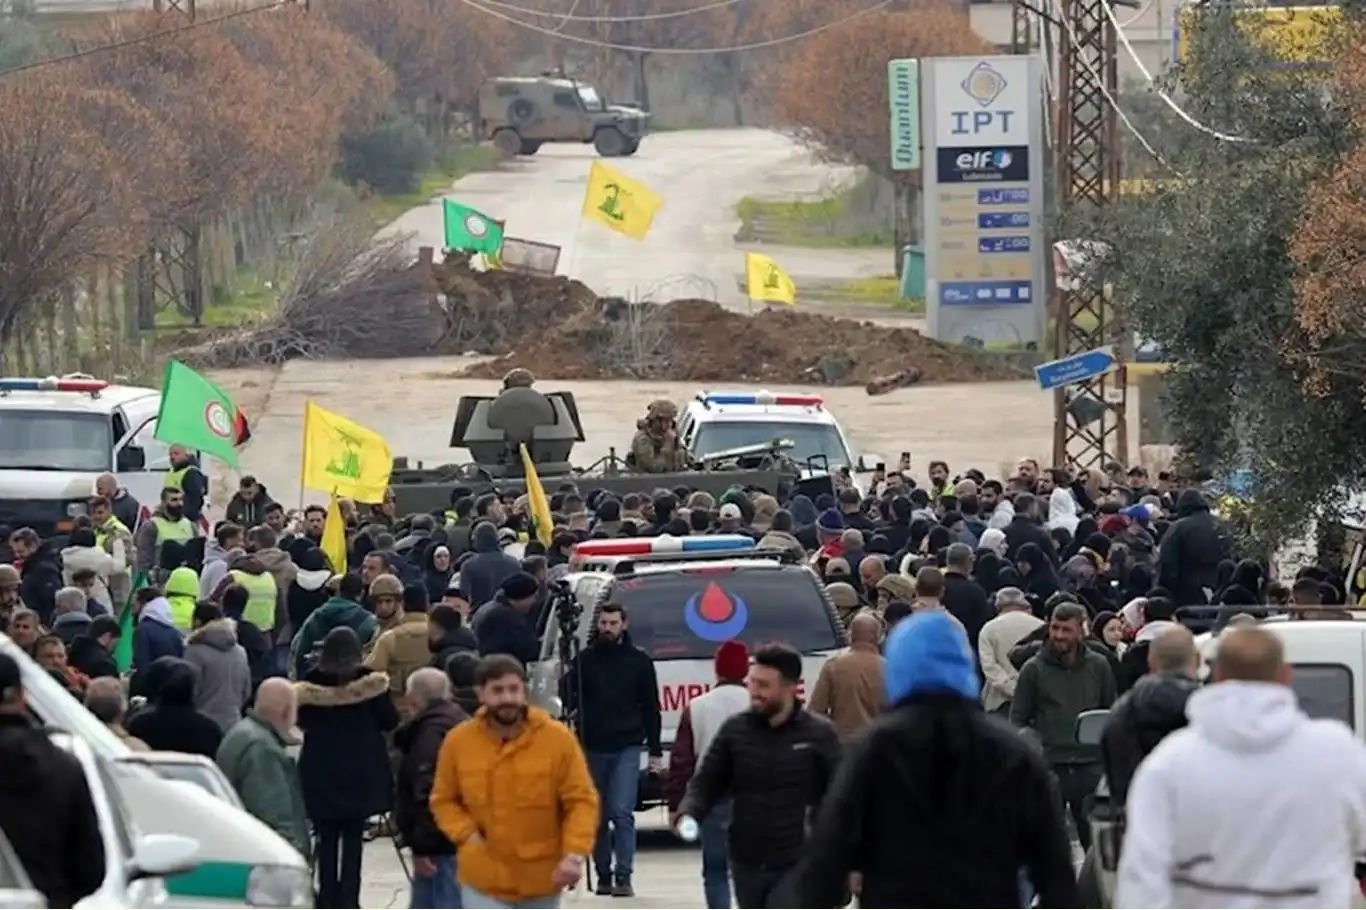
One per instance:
(647, 446)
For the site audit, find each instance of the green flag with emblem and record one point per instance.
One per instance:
(197, 414)
(470, 230)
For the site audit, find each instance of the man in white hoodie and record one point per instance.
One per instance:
(1254, 804)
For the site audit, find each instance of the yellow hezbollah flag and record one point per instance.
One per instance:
(343, 457)
(334, 536)
(622, 204)
(540, 506)
(767, 281)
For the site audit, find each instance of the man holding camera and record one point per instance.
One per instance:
(619, 713)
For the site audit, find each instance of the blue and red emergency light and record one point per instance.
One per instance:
(53, 384)
(762, 398)
(647, 546)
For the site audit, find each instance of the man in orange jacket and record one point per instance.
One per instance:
(513, 793)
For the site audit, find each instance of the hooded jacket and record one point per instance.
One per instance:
(249, 512)
(216, 562)
(1252, 805)
(91, 657)
(172, 724)
(936, 803)
(48, 814)
(223, 688)
(419, 743)
(1049, 695)
(1141, 719)
(1192, 548)
(69, 626)
(337, 611)
(482, 573)
(104, 565)
(40, 578)
(306, 594)
(155, 635)
(344, 763)
(620, 696)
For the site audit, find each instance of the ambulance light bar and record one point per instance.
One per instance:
(650, 546)
(53, 384)
(761, 398)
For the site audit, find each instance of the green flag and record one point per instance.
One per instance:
(197, 414)
(123, 648)
(471, 230)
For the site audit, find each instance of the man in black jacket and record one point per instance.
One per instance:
(1025, 528)
(46, 810)
(507, 624)
(1194, 545)
(938, 804)
(963, 597)
(618, 714)
(775, 762)
(1154, 707)
(418, 743)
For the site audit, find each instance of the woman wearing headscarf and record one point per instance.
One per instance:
(437, 569)
(344, 711)
(994, 540)
(1037, 576)
(986, 571)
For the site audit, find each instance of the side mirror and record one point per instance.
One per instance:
(130, 458)
(868, 462)
(555, 707)
(163, 855)
(1090, 724)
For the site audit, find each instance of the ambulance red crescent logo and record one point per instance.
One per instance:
(713, 614)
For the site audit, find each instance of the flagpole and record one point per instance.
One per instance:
(303, 452)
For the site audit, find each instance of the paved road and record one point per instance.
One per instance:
(690, 251)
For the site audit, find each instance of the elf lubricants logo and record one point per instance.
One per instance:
(959, 165)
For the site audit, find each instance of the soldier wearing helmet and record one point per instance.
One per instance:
(655, 448)
(9, 591)
(518, 378)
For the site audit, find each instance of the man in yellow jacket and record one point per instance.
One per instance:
(513, 793)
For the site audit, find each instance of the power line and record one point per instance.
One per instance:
(643, 17)
(141, 39)
(567, 16)
(678, 51)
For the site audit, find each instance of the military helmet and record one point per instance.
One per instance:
(386, 585)
(662, 408)
(518, 378)
(9, 576)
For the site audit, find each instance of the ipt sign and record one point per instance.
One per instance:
(984, 101)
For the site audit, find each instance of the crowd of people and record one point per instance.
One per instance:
(935, 763)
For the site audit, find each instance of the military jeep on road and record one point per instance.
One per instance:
(520, 113)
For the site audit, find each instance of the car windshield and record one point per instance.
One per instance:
(189, 773)
(590, 98)
(808, 439)
(686, 614)
(55, 441)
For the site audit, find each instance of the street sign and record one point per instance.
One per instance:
(1077, 368)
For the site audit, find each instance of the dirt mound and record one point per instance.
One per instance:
(701, 341)
(495, 312)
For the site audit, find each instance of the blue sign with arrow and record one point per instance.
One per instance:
(1076, 368)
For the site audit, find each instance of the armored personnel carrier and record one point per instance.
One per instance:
(493, 429)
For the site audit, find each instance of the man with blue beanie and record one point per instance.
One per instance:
(938, 804)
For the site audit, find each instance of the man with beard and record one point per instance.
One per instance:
(514, 755)
(775, 763)
(619, 713)
(168, 524)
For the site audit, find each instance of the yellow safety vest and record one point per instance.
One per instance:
(261, 593)
(175, 480)
(111, 527)
(182, 591)
(172, 530)
(452, 516)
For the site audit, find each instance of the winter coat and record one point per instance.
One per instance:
(967, 601)
(939, 805)
(224, 686)
(155, 636)
(419, 744)
(452, 643)
(1049, 695)
(105, 566)
(1194, 545)
(1042, 582)
(483, 573)
(127, 510)
(399, 651)
(1140, 720)
(249, 512)
(502, 630)
(774, 777)
(172, 724)
(306, 594)
(91, 657)
(541, 772)
(344, 762)
(70, 626)
(40, 578)
(337, 611)
(1023, 530)
(998, 637)
(434, 580)
(216, 562)
(48, 814)
(254, 760)
(620, 697)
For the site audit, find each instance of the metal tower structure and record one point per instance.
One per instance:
(1090, 426)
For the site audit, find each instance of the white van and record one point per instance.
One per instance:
(240, 861)
(58, 434)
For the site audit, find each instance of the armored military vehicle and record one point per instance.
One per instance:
(493, 429)
(521, 113)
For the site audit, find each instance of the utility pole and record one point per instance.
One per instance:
(1090, 426)
(1021, 29)
(190, 258)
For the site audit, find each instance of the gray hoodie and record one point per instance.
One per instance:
(216, 564)
(223, 687)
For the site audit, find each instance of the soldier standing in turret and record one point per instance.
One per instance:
(655, 448)
(519, 378)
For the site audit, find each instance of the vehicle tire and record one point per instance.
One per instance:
(529, 147)
(1088, 882)
(632, 147)
(609, 142)
(521, 112)
(508, 142)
